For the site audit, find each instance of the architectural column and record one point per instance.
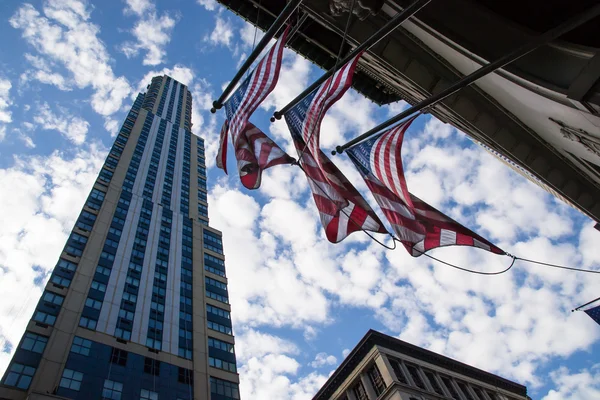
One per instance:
(385, 369)
(371, 394)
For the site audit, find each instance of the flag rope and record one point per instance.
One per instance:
(466, 269)
(591, 271)
(335, 67)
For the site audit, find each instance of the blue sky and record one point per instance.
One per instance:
(70, 71)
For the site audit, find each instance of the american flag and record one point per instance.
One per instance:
(594, 313)
(419, 226)
(240, 106)
(341, 207)
(258, 152)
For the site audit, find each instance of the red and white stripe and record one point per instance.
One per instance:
(262, 81)
(342, 209)
(256, 152)
(419, 226)
(386, 160)
(327, 94)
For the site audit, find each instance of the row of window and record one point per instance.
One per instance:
(444, 385)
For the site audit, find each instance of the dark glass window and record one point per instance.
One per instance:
(19, 375)
(118, 357)
(185, 376)
(81, 346)
(227, 390)
(414, 373)
(34, 342)
(434, 383)
(397, 367)
(448, 383)
(151, 366)
(376, 379)
(359, 391)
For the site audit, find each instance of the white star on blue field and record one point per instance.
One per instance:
(70, 70)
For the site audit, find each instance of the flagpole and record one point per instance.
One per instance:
(278, 23)
(583, 305)
(491, 67)
(371, 41)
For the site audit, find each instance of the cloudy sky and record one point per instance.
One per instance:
(69, 72)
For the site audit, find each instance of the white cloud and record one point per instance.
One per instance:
(72, 127)
(64, 36)
(5, 102)
(582, 385)
(268, 369)
(46, 194)
(210, 5)
(323, 359)
(42, 72)
(112, 126)
(222, 34)
(152, 32)
(138, 7)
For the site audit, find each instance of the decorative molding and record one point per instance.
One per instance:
(589, 141)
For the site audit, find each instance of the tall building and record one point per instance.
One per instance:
(383, 367)
(541, 113)
(137, 305)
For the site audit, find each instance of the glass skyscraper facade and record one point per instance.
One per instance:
(137, 306)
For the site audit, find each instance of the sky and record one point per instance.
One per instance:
(69, 72)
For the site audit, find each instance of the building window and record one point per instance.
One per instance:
(479, 392)
(185, 376)
(148, 395)
(376, 379)
(44, 318)
(219, 328)
(448, 383)
(227, 390)
(60, 281)
(224, 365)
(152, 366)
(112, 390)
(492, 396)
(221, 345)
(118, 357)
(434, 383)
(53, 298)
(33, 342)
(414, 373)
(99, 286)
(359, 391)
(463, 388)
(71, 379)
(397, 367)
(95, 304)
(81, 346)
(19, 376)
(88, 323)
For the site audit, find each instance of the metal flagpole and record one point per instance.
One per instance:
(586, 304)
(491, 67)
(371, 41)
(278, 23)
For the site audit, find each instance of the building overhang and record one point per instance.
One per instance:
(448, 39)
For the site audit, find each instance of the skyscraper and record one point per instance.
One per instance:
(137, 305)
